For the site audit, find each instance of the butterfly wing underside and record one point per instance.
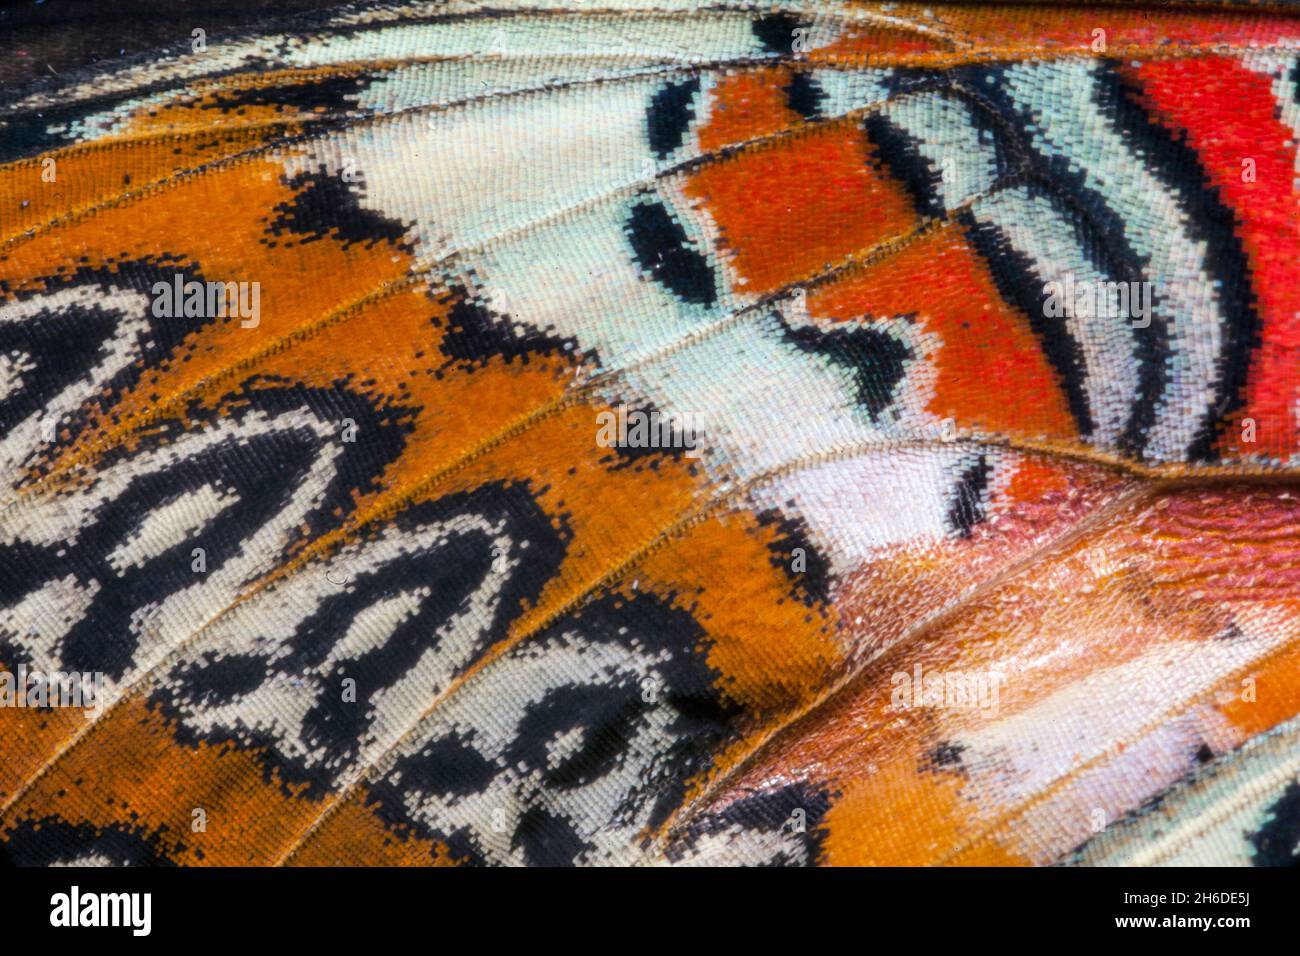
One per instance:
(656, 434)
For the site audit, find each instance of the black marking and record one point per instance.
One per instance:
(30, 134)
(899, 152)
(968, 501)
(812, 586)
(1295, 82)
(776, 31)
(661, 248)
(1230, 633)
(902, 80)
(772, 812)
(945, 756)
(669, 116)
(804, 94)
(665, 446)
(876, 359)
(700, 717)
(473, 336)
(1277, 842)
(900, 156)
(62, 347)
(604, 716)
(76, 43)
(52, 840)
(319, 94)
(449, 767)
(326, 205)
(547, 839)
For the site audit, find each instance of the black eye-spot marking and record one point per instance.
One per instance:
(661, 247)
(670, 114)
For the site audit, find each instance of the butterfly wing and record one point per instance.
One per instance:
(834, 434)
